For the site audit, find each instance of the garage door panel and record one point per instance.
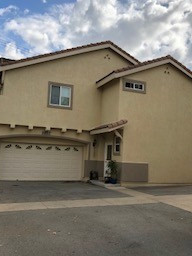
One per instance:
(40, 162)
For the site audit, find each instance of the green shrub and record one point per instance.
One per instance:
(113, 166)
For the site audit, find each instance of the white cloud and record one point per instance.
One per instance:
(146, 29)
(12, 52)
(7, 9)
(26, 11)
(40, 32)
(44, 1)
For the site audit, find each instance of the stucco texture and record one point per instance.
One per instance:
(25, 94)
(156, 137)
(159, 124)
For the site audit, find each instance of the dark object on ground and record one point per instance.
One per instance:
(112, 181)
(107, 180)
(93, 175)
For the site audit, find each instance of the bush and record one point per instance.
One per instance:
(113, 166)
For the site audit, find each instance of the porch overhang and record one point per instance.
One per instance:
(108, 127)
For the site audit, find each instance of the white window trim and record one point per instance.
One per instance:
(134, 82)
(134, 88)
(60, 86)
(115, 144)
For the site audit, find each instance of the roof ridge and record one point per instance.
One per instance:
(70, 50)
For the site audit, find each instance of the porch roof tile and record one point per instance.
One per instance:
(110, 125)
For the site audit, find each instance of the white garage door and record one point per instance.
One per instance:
(39, 162)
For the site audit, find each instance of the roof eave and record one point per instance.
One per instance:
(113, 75)
(67, 54)
(106, 80)
(107, 129)
(132, 60)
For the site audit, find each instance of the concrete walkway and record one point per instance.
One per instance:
(133, 198)
(73, 204)
(183, 202)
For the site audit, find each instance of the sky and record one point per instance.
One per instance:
(146, 29)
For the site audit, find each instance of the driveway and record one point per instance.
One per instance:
(139, 230)
(166, 190)
(87, 220)
(28, 191)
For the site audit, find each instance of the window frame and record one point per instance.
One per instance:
(59, 105)
(134, 82)
(115, 144)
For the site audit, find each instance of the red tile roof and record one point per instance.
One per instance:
(110, 125)
(5, 61)
(145, 63)
(70, 50)
(154, 61)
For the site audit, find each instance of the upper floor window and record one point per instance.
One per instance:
(60, 95)
(134, 86)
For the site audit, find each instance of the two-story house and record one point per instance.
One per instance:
(66, 113)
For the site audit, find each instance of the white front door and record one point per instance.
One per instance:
(107, 157)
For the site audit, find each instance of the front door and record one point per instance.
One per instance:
(107, 157)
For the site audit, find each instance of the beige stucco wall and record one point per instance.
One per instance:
(159, 122)
(21, 134)
(25, 98)
(159, 129)
(110, 102)
(22, 131)
(25, 95)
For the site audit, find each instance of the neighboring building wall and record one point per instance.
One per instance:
(159, 129)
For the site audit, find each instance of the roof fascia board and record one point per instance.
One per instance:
(123, 54)
(153, 65)
(139, 69)
(142, 68)
(66, 54)
(52, 57)
(180, 68)
(106, 80)
(104, 130)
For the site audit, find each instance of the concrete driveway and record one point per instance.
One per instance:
(29, 191)
(166, 190)
(95, 221)
(137, 230)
